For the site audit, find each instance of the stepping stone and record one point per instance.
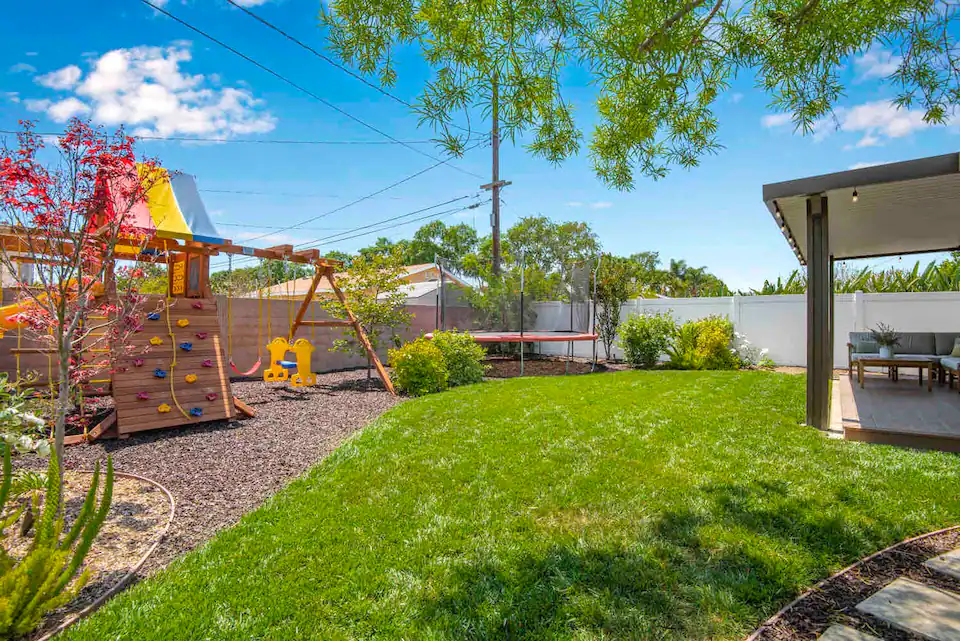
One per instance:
(844, 633)
(916, 608)
(948, 564)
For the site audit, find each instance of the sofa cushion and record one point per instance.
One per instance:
(945, 341)
(930, 357)
(950, 362)
(857, 356)
(863, 343)
(917, 343)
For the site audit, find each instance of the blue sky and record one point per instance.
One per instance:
(125, 63)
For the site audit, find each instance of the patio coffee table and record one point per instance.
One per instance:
(894, 364)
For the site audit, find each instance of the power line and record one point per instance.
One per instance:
(388, 220)
(251, 141)
(356, 201)
(449, 212)
(302, 89)
(245, 192)
(246, 226)
(329, 60)
(362, 227)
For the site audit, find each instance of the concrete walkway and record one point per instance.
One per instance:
(923, 611)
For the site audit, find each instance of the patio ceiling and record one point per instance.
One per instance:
(900, 208)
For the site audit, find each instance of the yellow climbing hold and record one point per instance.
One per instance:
(163, 409)
(183, 322)
(190, 378)
(156, 340)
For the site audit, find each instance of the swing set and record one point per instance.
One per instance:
(178, 373)
(278, 368)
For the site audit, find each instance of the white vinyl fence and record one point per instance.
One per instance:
(778, 323)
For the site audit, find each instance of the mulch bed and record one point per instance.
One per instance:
(218, 471)
(509, 366)
(834, 600)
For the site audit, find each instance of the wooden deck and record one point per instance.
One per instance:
(900, 412)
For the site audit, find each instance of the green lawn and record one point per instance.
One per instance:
(638, 505)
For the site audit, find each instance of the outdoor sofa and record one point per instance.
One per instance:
(934, 345)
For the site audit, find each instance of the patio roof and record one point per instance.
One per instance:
(900, 208)
(885, 210)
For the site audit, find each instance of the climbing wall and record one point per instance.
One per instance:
(201, 381)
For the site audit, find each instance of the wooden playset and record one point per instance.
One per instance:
(178, 372)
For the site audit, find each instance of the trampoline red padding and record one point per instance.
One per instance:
(528, 337)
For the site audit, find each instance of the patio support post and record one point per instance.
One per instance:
(819, 312)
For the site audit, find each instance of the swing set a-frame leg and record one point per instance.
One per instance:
(351, 321)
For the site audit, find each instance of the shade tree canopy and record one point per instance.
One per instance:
(658, 66)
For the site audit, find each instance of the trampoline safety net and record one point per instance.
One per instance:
(525, 299)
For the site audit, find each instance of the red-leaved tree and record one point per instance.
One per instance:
(67, 210)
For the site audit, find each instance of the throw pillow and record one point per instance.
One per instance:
(956, 348)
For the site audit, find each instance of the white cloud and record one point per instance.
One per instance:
(146, 89)
(30, 53)
(574, 203)
(61, 79)
(601, 204)
(861, 165)
(735, 98)
(775, 120)
(879, 120)
(66, 109)
(33, 104)
(875, 122)
(22, 67)
(876, 63)
(12, 96)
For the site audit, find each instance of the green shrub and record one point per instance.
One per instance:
(419, 368)
(644, 337)
(41, 581)
(462, 356)
(704, 344)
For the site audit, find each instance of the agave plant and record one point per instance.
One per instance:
(43, 579)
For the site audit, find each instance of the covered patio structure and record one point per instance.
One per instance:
(894, 209)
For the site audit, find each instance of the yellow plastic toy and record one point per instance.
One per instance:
(279, 369)
(156, 340)
(183, 322)
(304, 376)
(164, 408)
(278, 348)
(190, 378)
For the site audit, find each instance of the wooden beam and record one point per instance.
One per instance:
(285, 250)
(273, 255)
(243, 408)
(361, 335)
(309, 254)
(307, 301)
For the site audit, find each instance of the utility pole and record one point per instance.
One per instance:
(495, 184)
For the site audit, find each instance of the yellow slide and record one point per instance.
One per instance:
(8, 313)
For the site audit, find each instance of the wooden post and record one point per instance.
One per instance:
(819, 302)
(307, 302)
(361, 335)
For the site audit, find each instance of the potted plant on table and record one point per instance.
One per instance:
(886, 338)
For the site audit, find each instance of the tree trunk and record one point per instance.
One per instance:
(63, 403)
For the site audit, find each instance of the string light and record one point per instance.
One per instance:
(856, 196)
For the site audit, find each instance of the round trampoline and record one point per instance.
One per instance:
(536, 336)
